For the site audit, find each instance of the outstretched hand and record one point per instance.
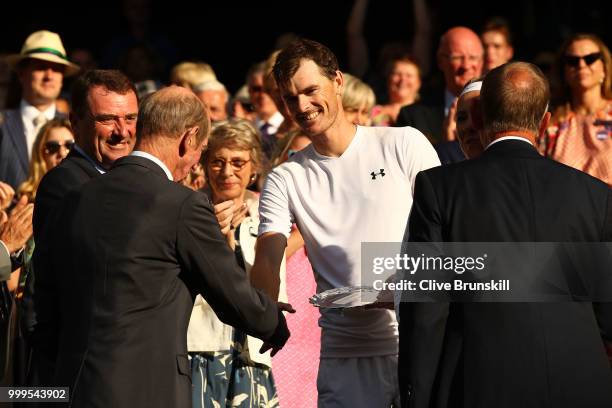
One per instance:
(285, 307)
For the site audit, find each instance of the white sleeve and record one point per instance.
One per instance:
(274, 213)
(418, 153)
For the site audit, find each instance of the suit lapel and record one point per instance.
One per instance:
(16, 133)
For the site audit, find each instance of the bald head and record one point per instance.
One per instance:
(171, 111)
(514, 97)
(460, 57)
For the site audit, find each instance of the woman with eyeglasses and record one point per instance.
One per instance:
(52, 145)
(226, 367)
(580, 134)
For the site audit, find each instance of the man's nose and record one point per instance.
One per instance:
(303, 103)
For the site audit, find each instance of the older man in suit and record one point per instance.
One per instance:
(41, 67)
(508, 354)
(142, 246)
(460, 58)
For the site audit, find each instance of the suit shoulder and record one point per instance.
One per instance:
(568, 174)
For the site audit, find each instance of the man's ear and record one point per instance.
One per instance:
(339, 83)
(188, 140)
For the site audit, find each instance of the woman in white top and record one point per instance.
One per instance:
(227, 369)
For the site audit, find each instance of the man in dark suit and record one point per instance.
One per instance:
(41, 67)
(460, 58)
(142, 246)
(508, 354)
(103, 117)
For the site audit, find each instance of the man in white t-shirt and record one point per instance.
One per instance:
(353, 184)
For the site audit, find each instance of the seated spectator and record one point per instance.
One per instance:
(580, 133)
(215, 96)
(189, 74)
(52, 145)
(241, 106)
(358, 99)
(468, 119)
(403, 79)
(219, 353)
(497, 42)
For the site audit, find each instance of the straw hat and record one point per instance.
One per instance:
(47, 46)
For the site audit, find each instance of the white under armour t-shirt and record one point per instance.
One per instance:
(365, 195)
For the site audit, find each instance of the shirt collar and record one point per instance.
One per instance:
(29, 112)
(508, 138)
(140, 153)
(100, 169)
(274, 122)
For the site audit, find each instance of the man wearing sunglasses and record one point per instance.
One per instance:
(104, 113)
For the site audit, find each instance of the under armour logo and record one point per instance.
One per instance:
(381, 173)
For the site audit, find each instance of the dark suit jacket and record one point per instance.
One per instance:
(140, 248)
(513, 354)
(428, 116)
(14, 159)
(74, 171)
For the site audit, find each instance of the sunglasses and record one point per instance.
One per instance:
(53, 146)
(574, 60)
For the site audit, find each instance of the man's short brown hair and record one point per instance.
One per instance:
(110, 79)
(289, 59)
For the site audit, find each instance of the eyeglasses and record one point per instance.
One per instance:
(53, 146)
(237, 165)
(457, 59)
(111, 120)
(574, 60)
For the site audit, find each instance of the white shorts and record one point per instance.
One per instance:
(359, 382)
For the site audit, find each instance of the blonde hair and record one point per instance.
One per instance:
(357, 93)
(189, 74)
(564, 107)
(38, 167)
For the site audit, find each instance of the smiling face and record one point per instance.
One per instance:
(583, 76)
(57, 146)
(107, 131)
(41, 81)
(229, 173)
(404, 82)
(468, 130)
(312, 99)
(460, 58)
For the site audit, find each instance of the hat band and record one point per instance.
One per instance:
(46, 51)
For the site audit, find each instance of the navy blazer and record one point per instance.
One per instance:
(14, 159)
